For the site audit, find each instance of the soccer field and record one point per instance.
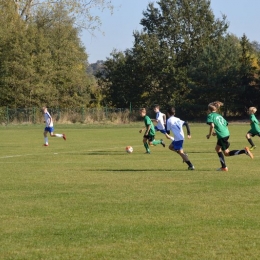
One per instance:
(86, 198)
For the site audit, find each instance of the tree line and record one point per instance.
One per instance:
(42, 59)
(184, 57)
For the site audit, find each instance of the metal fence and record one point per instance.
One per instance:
(34, 115)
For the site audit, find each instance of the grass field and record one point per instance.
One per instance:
(86, 198)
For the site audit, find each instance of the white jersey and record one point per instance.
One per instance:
(48, 119)
(174, 124)
(160, 120)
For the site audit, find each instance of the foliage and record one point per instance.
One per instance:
(183, 56)
(42, 60)
(79, 10)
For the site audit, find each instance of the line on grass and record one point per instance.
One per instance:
(13, 156)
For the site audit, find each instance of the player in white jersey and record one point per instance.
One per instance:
(160, 119)
(175, 124)
(49, 127)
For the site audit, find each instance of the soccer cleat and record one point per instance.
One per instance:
(162, 143)
(223, 169)
(64, 136)
(252, 148)
(249, 153)
(148, 152)
(191, 168)
(46, 145)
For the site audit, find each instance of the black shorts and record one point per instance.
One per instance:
(252, 133)
(150, 138)
(223, 143)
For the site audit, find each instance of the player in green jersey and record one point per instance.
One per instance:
(218, 126)
(255, 129)
(148, 138)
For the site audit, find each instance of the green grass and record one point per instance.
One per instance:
(86, 198)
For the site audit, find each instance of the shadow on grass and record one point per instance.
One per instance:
(100, 153)
(141, 170)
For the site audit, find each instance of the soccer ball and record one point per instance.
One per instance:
(129, 149)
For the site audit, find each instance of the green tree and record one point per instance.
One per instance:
(67, 58)
(16, 68)
(214, 75)
(79, 10)
(42, 60)
(248, 73)
(174, 34)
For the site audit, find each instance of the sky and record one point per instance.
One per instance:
(117, 29)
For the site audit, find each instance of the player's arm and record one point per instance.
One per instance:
(49, 120)
(147, 129)
(169, 136)
(141, 130)
(164, 119)
(211, 130)
(186, 124)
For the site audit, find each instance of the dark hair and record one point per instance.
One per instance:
(171, 111)
(142, 109)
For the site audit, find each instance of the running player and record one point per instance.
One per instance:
(49, 127)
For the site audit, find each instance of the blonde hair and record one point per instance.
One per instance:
(252, 109)
(214, 106)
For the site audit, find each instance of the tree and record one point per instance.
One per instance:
(42, 60)
(79, 10)
(174, 34)
(214, 75)
(249, 69)
(15, 68)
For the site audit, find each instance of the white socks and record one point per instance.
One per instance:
(58, 135)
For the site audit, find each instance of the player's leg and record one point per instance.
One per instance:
(45, 134)
(155, 142)
(171, 147)
(224, 144)
(221, 156)
(56, 135)
(146, 146)
(246, 151)
(185, 159)
(249, 139)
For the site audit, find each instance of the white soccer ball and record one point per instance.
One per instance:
(129, 149)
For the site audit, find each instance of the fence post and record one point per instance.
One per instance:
(34, 115)
(59, 113)
(7, 116)
(82, 114)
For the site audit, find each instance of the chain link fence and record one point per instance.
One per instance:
(105, 115)
(34, 115)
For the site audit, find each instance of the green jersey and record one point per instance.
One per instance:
(147, 122)
(220, 124)
(255, 129)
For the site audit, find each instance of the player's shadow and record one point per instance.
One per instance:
(141, 170)
(101, 153)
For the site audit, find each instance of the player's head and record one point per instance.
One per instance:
(252, 110)
(214, 106)
(171, 111)
(142, 111)
(156, 108)
(44, 109)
